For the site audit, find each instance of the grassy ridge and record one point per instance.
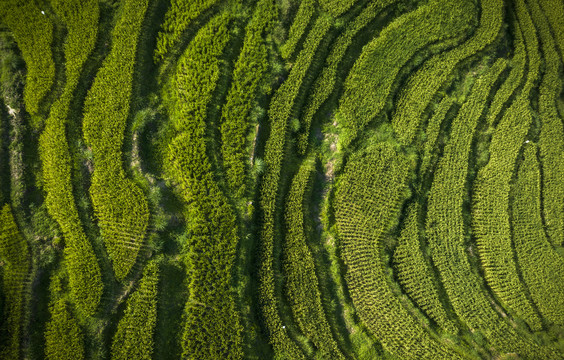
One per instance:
(433, 130)
(336, 7)
(299, 25)
(554, 11)
(64, 339)
(511, 84)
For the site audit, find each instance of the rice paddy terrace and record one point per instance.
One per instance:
(281, 179)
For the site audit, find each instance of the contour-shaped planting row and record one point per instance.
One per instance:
(302, 285)
(279, 114)
(178, 17)
(433, 130)
(299, 25)
(212, 329)
(15, 256)
(554, 11)
(325, 83)
(446, 231)
(134, 334)
(415, 275)
(34, 34)
(64, 340)
(368, 200)
(424, 84)
(119, 204)
(541, 266)
(513, 80)
(370, 81)
(490, 207)
(247, 76)
(337, 7)
(81, 19)
(551, 138)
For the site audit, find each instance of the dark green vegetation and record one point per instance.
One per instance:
(281, 179)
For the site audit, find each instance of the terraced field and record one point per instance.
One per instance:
(281, 179)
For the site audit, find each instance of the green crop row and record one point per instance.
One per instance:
(368, 200)
(336, 7)
(81, 19)
(177, 19)
(490, 207)
(247, 75)
(541, 266)
(513, 81)
(197, 73)
(134, 334)
(64, 339)
(424, 84)
(15, 256)
(444, 223)
(551, 138)
(433, 130)
(212, 329)
(34, 34)
(554, 11)
(299, 25)
(325, 83)
(446, 231)
(299, 267)
(370, 81)
(119, 204)
(415, 275)
(279, 114)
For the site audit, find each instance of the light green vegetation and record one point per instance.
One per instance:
(302, 283)
(370, 81)
(247, 76)
(84, 271)
(415, 275)
(281, 179)
(119, 204)
(64, 339)
(490, 207)
(33, 32)
(367, 203)
(211, 327)
(542, 268)
(134, 335)
(424, 84)
(279, 115)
